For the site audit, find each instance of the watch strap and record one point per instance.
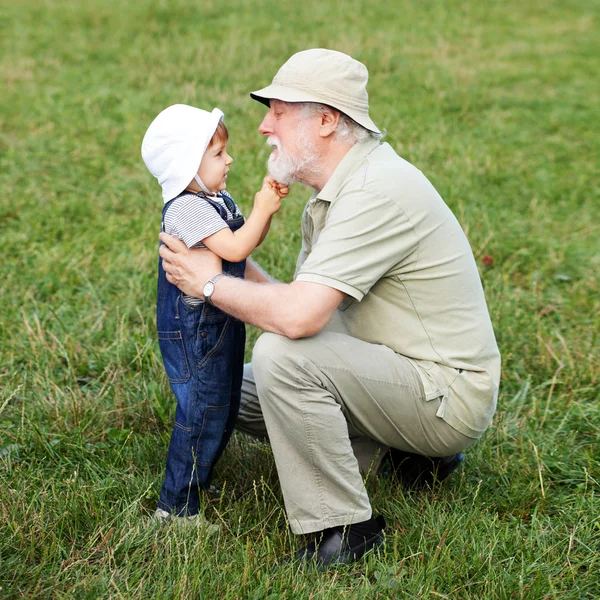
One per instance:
(213, 280)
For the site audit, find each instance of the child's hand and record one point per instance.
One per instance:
(283, 189)
(268, 199)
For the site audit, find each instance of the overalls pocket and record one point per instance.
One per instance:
(174, 356)
(210, 339)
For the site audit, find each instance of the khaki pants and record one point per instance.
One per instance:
(331, 406)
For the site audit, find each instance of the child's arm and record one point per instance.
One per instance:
(238, 245)
(283, 190)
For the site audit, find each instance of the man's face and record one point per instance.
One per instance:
(294, 156)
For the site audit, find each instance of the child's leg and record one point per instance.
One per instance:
(237, 371)
(179, 493)
(203, 409)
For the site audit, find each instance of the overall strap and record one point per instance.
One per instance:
(164, 212)
(228, 202)
(218, 207)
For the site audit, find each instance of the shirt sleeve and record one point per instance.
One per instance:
(193, 220)
(366, 237)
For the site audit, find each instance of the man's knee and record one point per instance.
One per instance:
(282, 363)
(270, 354)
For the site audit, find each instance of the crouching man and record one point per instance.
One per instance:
(382, 341)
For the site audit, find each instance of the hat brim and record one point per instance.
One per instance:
(189, 160)
(286, 94)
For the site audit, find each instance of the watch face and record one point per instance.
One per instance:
(209, 288)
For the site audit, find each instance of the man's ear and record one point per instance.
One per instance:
(329, 122)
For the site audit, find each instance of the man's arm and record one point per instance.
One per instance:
(295, 310)
(254, 273)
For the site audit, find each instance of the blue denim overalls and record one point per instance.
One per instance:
(203, 353)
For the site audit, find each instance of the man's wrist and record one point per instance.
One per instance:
(215, 277)
(209, 287)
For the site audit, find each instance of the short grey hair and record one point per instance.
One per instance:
(347, 130)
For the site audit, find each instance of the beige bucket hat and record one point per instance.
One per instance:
(323, 76)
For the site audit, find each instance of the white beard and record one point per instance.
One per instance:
(285, 168)
(281, 165)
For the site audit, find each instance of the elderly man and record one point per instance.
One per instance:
(383, 340)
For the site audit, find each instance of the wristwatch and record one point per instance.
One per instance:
(209, 287)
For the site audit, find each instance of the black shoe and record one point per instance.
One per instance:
(415, 470)
(333, 548)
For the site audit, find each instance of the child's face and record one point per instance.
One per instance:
(215, 166)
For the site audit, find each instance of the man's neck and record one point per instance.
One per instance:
(332, 157)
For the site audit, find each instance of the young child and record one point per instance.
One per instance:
(202, 347)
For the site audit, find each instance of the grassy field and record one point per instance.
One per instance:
(496, 102)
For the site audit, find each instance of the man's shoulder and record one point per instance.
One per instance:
(382, 173)
(385, 172)
(384, 161)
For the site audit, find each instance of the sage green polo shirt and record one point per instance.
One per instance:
(379, 232)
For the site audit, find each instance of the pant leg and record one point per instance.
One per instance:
(311, 390)
(237, 368)
(250, 421)
(204, 409)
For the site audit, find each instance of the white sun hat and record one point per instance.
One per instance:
(323, 76)
(175, 143)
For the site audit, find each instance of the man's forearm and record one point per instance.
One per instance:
(254, 273)
(259, 303)
(295, 310)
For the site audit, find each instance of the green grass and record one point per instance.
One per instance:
(495, 102)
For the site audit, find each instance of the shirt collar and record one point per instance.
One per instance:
(353, 159)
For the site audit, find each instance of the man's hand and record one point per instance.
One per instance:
(188, 269)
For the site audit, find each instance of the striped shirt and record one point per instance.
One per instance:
(191, 218)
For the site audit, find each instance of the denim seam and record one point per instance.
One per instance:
(216, 347)
(205, 418)
(183, 427)
(310, 444)
(179, 339)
